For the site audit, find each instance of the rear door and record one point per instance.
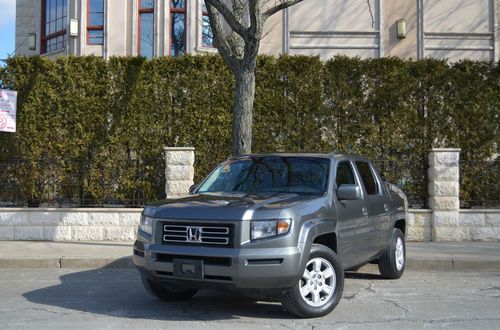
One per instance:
(377, 205)
(352, 219)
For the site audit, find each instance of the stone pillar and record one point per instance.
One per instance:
(179, 170)
(444, 194)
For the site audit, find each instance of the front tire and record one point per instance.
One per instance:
(393, 261)
(320, 288)
(165, 294)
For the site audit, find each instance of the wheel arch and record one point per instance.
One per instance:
(328, 240)
(401, 225)
(316, 232)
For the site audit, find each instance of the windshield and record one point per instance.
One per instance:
(270, 174)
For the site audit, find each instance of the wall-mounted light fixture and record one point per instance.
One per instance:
(32, 41)
(73, 27)
(401, 28)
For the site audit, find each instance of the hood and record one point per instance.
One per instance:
(224, 206)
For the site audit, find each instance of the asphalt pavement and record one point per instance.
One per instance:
(79, 255)
(52, 285)
(115, 299)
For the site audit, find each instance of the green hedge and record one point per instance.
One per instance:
(95, 129)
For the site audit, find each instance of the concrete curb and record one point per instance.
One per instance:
(67, 262)
(412, 263)
(30, 263)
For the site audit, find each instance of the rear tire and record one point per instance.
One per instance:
(165, 294)
(320, 288)
(393, 261)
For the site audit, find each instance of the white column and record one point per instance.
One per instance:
(444, 194)
(179, 171)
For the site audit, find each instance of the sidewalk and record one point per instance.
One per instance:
(420, 256)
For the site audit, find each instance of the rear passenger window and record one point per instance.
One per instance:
(367, 178)
(345, 174)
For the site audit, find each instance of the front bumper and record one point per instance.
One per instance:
(249, 268)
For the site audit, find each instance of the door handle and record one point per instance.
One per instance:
(364, 210)
(386, 208)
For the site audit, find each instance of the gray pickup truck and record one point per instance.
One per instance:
(275, 226)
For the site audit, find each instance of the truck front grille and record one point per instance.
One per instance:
(199, 234)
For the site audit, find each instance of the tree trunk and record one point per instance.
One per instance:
(244, 93)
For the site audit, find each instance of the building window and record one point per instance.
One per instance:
(178, 27)
(95, 22)
(146, 28)
(54, 21)
(207, 37)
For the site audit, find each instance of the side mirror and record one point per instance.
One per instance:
(192, 188)
(348, 192)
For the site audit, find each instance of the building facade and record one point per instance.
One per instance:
(454, 29)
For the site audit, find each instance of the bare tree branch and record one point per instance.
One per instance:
(371, 13)
(236, 44)
(269, 30)
(220, 42)
(280, 6)
(255, 18)
(229, 16)
(239, 11)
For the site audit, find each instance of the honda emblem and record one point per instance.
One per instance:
(194, 234)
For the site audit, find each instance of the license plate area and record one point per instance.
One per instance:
(187, 268)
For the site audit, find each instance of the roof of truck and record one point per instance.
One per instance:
(335, 155)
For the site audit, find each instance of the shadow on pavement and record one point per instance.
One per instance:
(363, 276)
(119, 292)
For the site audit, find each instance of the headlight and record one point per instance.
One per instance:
(146, 225)
(269, 228)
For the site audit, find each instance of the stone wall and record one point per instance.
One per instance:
(419, 225)
(112, 224)
(472, 225)
(479, 225)
(72, 224)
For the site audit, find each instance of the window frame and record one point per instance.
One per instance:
(357, 178)
(172, 12)
(44, 37)
(147, 10)
(376, 180)
(204, 13)
(353, 170)
(94, 27)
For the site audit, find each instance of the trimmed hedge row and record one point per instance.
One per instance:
(95, 129)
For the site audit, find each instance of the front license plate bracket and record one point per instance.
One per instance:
(187, 268)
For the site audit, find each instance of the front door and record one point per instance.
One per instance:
(352, 220)
(377, 204)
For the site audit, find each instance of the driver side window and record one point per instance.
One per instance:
(345, 174)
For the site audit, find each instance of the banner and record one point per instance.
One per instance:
(8, 106)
